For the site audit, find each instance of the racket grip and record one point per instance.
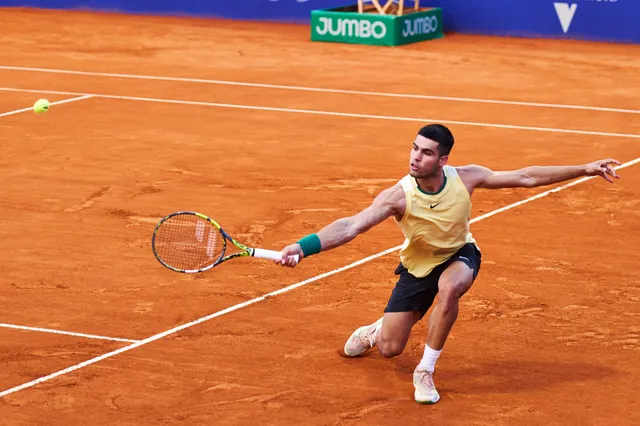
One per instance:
(271, 254)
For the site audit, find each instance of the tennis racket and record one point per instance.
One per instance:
(191, 242)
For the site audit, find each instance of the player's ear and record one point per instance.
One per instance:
(443, 160)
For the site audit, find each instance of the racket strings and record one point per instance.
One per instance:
(188, 242)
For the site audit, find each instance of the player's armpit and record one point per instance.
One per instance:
(388, 203)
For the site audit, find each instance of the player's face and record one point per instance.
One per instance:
(425, 160)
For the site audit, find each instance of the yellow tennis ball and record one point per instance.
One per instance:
(41, 106)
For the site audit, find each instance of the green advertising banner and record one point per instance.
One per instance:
(346, 25)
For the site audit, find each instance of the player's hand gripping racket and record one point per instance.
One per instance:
(191, 242)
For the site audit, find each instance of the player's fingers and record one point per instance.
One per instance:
(608, 169)
(290, 256)
(284, 256)
(291, 262)
(603, 173)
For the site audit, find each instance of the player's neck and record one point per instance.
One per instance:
(432, 184)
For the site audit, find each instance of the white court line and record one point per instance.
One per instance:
(67, 333)
(330, 113)
(319, 89)
(65, 101)
(275, 293)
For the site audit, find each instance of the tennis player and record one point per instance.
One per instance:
(432, 206)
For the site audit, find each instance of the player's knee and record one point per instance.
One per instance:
(450, 292)
(390, 348)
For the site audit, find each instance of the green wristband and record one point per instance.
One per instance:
(310, 245)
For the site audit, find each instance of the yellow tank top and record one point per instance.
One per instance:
(435, 225)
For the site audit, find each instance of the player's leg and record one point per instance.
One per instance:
(453, 283)
(389, 334)
(394, 334)
(457, 278)
(410, 300)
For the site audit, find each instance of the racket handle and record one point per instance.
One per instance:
(271, 254)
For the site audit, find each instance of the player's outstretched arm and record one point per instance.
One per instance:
(480, 177)
(389, 202)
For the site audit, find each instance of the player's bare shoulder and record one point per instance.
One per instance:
(394, 199)
(472, 175)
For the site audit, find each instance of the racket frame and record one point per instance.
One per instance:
(245, 250)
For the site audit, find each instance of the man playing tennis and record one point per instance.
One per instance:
(432, 206)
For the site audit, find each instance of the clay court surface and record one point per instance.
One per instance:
(549, 333)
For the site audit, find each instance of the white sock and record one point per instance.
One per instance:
(429, 359)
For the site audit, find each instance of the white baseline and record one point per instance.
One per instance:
(319, 89)
(331, 113)
(66, 333)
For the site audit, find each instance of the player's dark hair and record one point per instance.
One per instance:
(441, 134)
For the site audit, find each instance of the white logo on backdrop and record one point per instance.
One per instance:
(565, 14)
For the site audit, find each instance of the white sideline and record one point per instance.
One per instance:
(65, 101)
(275, 293)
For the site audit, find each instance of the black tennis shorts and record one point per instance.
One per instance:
(413, 294)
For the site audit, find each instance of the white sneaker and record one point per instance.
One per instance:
(426, 392)
(362, 339)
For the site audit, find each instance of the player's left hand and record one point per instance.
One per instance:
(604, 168)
